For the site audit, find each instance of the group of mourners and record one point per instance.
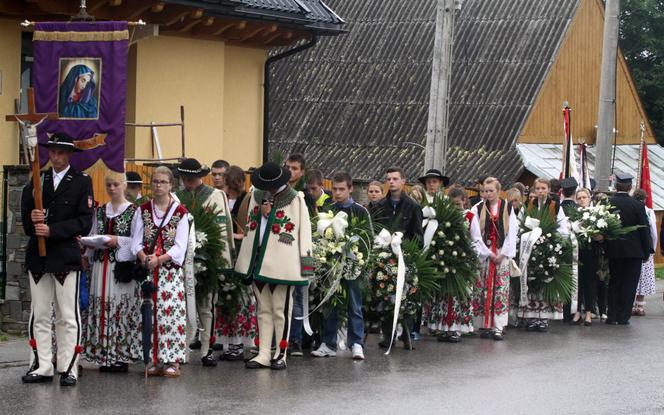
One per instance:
(263, 253)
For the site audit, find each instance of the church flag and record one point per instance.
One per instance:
(80, 72)
(644, 176)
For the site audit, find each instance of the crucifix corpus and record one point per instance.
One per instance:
(29, 123)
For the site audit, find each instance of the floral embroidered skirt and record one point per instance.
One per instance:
(241, 328)
(170, 317)
(450, 314)
(112, 332)
(492, 313)
(647, 281)
(537, 308)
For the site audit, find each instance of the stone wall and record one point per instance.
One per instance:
(15, 310)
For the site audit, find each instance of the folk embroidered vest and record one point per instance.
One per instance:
(119, 226)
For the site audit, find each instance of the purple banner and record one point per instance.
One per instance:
(80, 72)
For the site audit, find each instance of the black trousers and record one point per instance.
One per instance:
(587, 294)
(588, 261)
(625, 274)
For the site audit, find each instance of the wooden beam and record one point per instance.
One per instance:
(94, 5)
(284, 35)
(196, 14)
(169, 15)
(157, 8)
(183, 26)
(218, 26)
(265, 30)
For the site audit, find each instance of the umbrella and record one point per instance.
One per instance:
(146, 317)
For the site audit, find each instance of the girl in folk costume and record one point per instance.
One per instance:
(112, 339)
(235, 330)
(538, 312)
(162, 223)
(647, 280)
(453, 317)
(498, 227)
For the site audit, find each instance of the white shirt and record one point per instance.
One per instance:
(179, 249)
(57, 177)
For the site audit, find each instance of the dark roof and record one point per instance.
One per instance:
(313, 14)
(356, 102)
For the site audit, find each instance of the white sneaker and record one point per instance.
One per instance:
(358, 353)
(323, 351)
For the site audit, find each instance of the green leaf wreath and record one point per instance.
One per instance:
(451, 251)
(208, 261)
(420, 285)
(550, 263)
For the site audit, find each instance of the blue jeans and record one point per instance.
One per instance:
(355, 318)
(296, 325)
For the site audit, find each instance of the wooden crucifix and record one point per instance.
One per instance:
(29, 123)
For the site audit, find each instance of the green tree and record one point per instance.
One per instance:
(642, 42)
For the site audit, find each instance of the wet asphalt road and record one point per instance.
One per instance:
(570, 370)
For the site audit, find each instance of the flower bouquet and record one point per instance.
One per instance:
(550, 261)
(340, 252)
(451, 250)
(601, 219)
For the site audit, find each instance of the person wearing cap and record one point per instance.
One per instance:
(627, 253)
(54, 279)
(192, 172)
(568, 206)
(434, 183)
(133, 190)
(275, 257)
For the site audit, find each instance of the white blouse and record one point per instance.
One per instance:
(123, 251)
(652, 221)
(508, 249)
(179, 249)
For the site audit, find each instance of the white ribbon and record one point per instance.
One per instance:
(574, 303)
(528, 240)
(190, 285)
(430, 224)
(338, 223)
(384, 240)
(306, 325)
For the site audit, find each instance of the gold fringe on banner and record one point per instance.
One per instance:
(80, 36)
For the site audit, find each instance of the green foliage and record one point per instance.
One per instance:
(451, 251)
(550, 262)
(208, 261)
(642, 43)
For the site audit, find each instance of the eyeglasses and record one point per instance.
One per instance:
(160, 182)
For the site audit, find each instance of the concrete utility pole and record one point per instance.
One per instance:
(441, 73)
(607, 96)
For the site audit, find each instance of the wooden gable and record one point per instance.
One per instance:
(575, 77)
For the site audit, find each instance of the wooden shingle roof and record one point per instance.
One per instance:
(360, 102)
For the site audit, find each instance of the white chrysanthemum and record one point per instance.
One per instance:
(601, 224)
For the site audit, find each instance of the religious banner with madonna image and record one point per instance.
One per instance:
(80, 73)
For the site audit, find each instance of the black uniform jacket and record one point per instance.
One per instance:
(636, 244)
(69, 211)
(406, 217)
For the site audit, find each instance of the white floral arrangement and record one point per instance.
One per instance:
(589, 222)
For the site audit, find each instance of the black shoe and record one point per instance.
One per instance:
(252, 364)
(35, 378)
(624, 323)
(498, 336)
(442, 337)
(295, 349)
(217, 347)
(233, 354)
(587, 323)
(67, 380)
(454, 338)
(278, 364)
(195, 345)
(209, 360)
(542, 327)
(611, 322)
(576, 322)
(485, 334)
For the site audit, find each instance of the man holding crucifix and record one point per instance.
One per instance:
(54, 278)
